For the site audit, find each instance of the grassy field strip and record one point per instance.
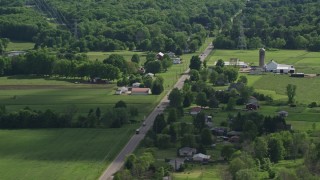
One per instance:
(19, 46)
(197, 172)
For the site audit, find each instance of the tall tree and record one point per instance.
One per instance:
(291, 92)
(195, 63)
(175, 97)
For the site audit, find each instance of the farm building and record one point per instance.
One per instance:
(272, 66)
(235, 62)
(140, 91)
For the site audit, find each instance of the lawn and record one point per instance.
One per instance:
(59, 153)
(19, 46)
(202, 172)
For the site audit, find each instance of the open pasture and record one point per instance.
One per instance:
(59, 153)
(204, 172)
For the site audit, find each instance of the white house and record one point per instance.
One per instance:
(201, 157)
(272, 66)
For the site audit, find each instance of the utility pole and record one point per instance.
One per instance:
(242, 44)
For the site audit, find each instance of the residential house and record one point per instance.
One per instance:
(283, 113)
(136, 85)
(149, 74)
(195, 110)
(176, 60)
(201, 157)
(187, 152)
(121, 90)
(176, 163)
(252, 104)
(272, 66)
(140, 91)
(160, 56)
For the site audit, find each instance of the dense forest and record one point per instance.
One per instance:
(110, 25)
(289, 24)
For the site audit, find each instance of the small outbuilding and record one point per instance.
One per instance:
(160, 56)
(252, 104)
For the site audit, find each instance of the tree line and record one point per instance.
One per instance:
(105, 25)
(277, 24)
(27, 118)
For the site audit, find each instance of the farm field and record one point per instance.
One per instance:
(59, 153)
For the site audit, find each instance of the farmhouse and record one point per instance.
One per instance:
(272, 66)
(187, 152)
(140, 91)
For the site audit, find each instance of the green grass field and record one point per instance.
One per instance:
(204, 172)
(19, 46)
(59, 153)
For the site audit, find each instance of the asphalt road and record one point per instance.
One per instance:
(118, 162)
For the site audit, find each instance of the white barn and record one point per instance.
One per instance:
(272, 66)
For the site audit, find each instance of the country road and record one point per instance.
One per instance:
(118, 162)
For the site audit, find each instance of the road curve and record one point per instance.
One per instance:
(118, 162)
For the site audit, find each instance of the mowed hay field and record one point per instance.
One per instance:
(60, 96)
(59, 153)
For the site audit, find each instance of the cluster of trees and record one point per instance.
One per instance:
(275, 24)
(142, 167)
(106, 25)
(3, 44)
(27, 118)
(260, 155)
(154, 66)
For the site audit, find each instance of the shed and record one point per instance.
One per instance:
(121, 90)
(160, 55)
